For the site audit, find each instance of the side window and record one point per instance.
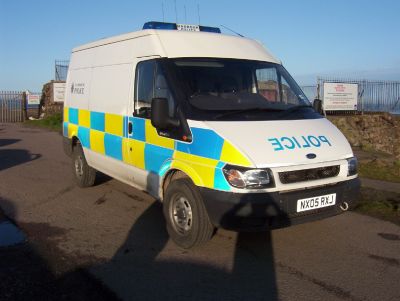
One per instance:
(144, 88)
(267, 83)
(151, 83)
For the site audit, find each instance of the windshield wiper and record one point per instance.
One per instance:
(234, 112)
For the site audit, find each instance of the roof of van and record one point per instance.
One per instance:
(175, 43)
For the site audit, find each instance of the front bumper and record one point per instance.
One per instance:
(261, 211)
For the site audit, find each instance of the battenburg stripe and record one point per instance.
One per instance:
(97, 121)
(202, 159)
(73, 116)
(155, 156)
(206, 143)
(220, 182)
(84, 136)
(113, 146)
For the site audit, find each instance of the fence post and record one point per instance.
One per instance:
(24, 106)
(362, 97)
(319, 81)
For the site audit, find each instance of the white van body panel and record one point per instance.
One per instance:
(174, 44)
(204, 44)
(83, 79)
(111, 93)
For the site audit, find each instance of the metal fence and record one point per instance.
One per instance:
(61, 70)
(11, 106)
(310, 91)
(373, 96)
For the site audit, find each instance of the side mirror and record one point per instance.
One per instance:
(160, 118)
(317, 105)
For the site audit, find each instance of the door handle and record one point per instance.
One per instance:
(130, 127)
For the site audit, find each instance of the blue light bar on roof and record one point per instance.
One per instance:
(210, 29)
(159, 25)
(181, 27)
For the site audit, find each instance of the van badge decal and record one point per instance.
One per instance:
(77, 88)
(311, 156)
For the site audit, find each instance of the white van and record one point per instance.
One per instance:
(211, 124)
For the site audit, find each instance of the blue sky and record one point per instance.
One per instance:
(351, 38)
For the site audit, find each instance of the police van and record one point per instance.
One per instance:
(210, 124)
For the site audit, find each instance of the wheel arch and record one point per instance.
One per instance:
(75, 141)
(177, 171)
(69, 145)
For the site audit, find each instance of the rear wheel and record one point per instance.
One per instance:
(187, 220)
(84, 174)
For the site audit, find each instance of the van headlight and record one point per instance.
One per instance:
(241, 177)
(352, 166)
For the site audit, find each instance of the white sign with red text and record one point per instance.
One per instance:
(33, 99)
(340, 96)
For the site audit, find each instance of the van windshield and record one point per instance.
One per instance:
(232, 88)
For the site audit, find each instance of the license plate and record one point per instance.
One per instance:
(316, 202)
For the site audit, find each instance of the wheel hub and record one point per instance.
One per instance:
(79, 166)
(181, 212)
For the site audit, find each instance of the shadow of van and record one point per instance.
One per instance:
(144, 267)
(137, 271)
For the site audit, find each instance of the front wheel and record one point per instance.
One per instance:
(187, 220)
(84, 174)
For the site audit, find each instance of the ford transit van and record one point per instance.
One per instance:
(210, 124)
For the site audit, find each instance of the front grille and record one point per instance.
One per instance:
(303, 175)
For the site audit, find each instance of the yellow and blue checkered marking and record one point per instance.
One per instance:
(220, 182)
(97, 121)
(206, 143)
(113, 146)
(73, 115)
(84, 136)
(202, 160)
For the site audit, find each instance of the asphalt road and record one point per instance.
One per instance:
(117, 234)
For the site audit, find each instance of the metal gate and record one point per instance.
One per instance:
(11, 106)
(373, 96)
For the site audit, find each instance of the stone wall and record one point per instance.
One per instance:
(375, 132)
(48, 106)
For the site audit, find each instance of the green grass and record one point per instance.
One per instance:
(385, 172)
(380, 204)
(53, 122)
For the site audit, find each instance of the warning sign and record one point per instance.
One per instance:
(340, 96)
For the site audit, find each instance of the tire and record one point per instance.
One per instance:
(187, 220)
(84, 174)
